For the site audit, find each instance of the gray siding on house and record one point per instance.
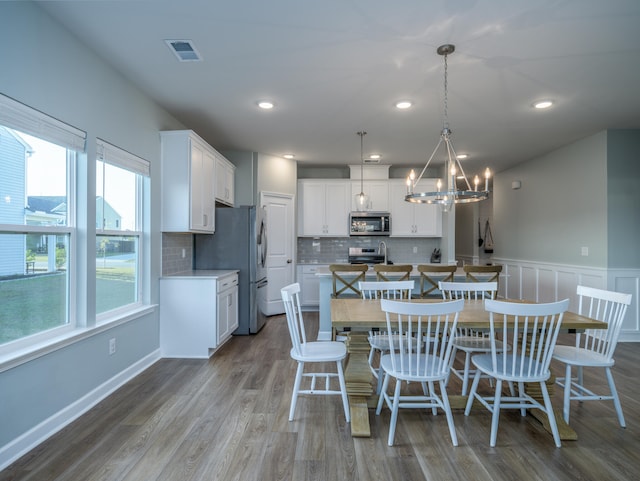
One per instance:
(12, 203)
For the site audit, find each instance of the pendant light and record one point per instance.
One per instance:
(362, 199)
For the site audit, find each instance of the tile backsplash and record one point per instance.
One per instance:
(173, 247)
(327, 250)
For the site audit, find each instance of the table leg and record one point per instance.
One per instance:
(359, 381)
(566, 432)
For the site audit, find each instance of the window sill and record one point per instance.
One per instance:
(14, 359)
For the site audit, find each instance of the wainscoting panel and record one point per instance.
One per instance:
(542, 282)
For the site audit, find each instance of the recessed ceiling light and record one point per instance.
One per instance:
(265, 104)
(288, 156)
(462, 156)
(543, 104)
(403, 104)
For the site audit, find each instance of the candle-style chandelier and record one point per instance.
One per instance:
(450, 194)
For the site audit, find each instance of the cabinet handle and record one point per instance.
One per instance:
(204, 219)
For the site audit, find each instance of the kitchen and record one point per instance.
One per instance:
(533, 239)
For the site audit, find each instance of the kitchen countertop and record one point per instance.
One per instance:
(325, 272)
(202, 273)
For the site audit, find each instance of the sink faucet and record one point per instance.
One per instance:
(380, 246)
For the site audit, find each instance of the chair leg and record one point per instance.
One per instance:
(550, 414)
(496, 413)
(383, 391)
(616, 399)
(343, 389)
(521, 393)
(296, 388)
(448, 413)
(432, 391)
(394, 412)
(472, 394)
(566, 405)
(465, 375)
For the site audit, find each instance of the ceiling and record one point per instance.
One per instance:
(336, 67)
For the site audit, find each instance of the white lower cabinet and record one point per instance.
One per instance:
(309, 284)
(227, 307)
(198, 312)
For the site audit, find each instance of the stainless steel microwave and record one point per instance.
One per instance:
(369, 223)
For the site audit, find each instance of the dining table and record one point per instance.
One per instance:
(356, 317)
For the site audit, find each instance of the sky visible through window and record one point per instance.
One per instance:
(47, 176)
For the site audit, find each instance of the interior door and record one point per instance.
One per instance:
(280, 248)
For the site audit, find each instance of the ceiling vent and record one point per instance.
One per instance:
(184, 50)
(370, 161)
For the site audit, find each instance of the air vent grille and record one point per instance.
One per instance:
(184, 50)
(371, 161)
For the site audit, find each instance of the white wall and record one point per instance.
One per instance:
(44, 67)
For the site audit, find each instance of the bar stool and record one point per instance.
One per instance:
(345, 278)
(492, 273)
(395, 272)
(430, 275)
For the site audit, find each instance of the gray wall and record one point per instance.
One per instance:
(561, 207)
(44, 67)
(623, 207)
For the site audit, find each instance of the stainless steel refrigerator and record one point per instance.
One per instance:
(239, 242)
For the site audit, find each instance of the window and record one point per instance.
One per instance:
(37, 224)
(120, 183)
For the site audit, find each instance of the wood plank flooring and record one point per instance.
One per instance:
(226, 419)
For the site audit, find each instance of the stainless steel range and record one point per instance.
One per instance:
(365, 255)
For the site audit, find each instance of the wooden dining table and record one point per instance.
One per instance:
(358, 316)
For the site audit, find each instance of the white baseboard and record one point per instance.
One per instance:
(29, 440)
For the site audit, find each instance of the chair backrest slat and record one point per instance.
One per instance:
(386, 289)
(468, 290)
(608, 306)
(434, 322)
(530, 329)
(291, 299)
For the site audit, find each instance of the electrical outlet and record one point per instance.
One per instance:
(184, 253)
(415, 249)
(585, 251)
(112, 346)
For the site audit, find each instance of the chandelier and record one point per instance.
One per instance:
(362, 199)
(450, 194)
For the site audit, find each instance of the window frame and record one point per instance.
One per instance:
(115, 156)
(23, 119)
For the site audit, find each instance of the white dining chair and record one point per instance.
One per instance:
(312, 353)
(435, 322)
(469, 341)
(593, 348)
(533, 331)
(378, 340)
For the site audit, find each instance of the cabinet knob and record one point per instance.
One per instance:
(289, 261)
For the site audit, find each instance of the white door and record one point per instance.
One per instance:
(280, 248)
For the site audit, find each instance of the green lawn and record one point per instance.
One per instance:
(33, 304)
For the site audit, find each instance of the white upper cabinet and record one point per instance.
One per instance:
(323, 207)
(413, 220)
(376, 190)
(225, 178)
(188, 171)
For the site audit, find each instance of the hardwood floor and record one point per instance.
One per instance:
(226, 419)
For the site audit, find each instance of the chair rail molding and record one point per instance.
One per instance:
(549, 282)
